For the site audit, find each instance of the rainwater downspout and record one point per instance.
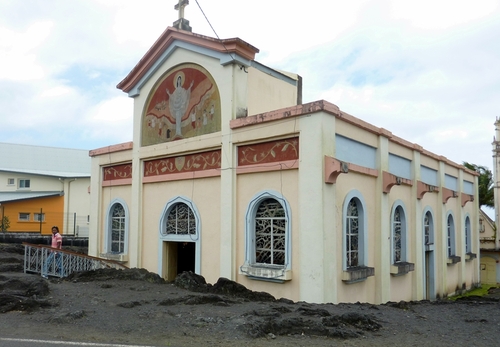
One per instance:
(67, 206)
(66, 210)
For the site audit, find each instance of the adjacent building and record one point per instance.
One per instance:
(488, 233)
(230, 175)
(44, 186)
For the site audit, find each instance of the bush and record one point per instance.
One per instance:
(5, 223)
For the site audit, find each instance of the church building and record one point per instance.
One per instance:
(230, 175)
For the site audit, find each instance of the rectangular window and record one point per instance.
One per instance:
(24, 183)
(39, 217)
(24, 216)
(11, 181)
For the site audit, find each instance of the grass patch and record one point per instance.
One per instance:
(480, 291)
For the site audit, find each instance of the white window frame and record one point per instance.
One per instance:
(271, 272)
(164, 237)
(11, 181)
(109, 227)
(399, 206)
(362, 229)
(28, 215)
(450, 235)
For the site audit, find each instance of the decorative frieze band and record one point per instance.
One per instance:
(117, 172)
(185, 163)
(269, 152)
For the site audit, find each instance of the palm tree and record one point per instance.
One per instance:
(485, 183)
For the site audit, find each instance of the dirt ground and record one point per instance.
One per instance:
(135, 306)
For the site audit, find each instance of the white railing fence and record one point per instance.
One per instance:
(61, 263)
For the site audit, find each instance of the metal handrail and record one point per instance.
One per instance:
(61, 263)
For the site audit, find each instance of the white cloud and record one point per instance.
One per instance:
(441, 14)
(18, 52)
(111, 120)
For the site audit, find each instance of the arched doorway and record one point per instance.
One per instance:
(179, 239)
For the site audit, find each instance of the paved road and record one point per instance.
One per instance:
(7, 342)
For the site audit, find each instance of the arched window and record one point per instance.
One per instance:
(352, 234)
(450, 236)
(117, 228)
(268, 245)
(354, 231)
(270, 233)
(398, 234)
(181, 220)
(428, 229)
(468, 246)
(354, 239)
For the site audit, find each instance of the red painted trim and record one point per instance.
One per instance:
(447, 194)
(334, 167)
(111, 149)
(423, 188)
(120, 182)
(276, 166)
(466, 198)
(390, 180)
(269, 152)
(233, 45)
(182, 176)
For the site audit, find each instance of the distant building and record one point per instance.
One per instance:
(44, 186)
(490, 252)
(230, 175)
(489, 236)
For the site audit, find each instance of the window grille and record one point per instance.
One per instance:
(450, 240)
(427, 228)
(270, 233)
(181, 220)
(467, 236)
(352, 234)
(118, 229)
(397, 230)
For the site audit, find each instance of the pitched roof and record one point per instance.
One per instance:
(15, 196)
(233, 46)
(48, 161)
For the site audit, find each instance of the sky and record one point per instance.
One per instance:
(427, 70)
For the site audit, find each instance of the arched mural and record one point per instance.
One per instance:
(184, 103)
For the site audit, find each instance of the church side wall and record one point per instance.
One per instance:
(110, 195)
(363, 291)
(247, 187)
(266, 92)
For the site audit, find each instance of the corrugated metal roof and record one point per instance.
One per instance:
(16, 196)
(49, 161)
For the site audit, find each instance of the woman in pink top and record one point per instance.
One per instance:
(56, 243)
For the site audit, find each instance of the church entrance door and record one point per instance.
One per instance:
(180, 257)
(429, 284)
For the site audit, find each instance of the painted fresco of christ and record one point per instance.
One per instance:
(178, 102)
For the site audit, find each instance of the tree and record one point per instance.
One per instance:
(4, 223)
(485, 184)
